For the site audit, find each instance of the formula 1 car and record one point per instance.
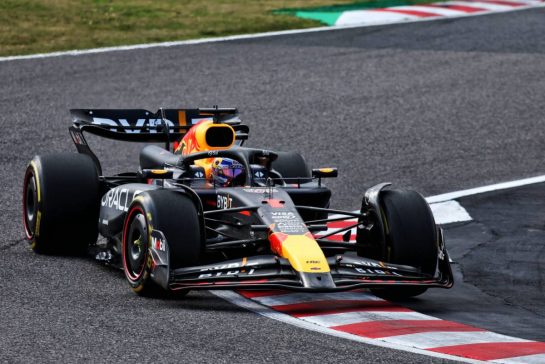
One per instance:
(204, 212)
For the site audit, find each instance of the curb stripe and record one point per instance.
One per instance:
(462, 8)
(436, 10)
(447, 9)
(380, 329)
(290, 298)
(526, 359)
(418, 13)
(341, 224)
(326, 307)
(491, 351)
(338, 237)
(340, 319)
(502, 2)
(265, 311)
(481, 5)
(429, 340)
(264, 293)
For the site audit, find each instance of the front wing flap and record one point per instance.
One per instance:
(272, 272)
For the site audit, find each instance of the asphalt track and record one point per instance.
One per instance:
(436, 106)
(500, 265)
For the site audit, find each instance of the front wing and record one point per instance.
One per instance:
(271, 272)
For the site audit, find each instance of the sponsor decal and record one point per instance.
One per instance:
(224, 202)
(234, 266)
(198, 120)
(158, 243)
(124, 126)
(288, 222)
(260, 190)
(118, 198)
(376, 271)
(369, 263)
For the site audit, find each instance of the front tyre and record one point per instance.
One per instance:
(61, 201)
(136, 245)
(174, 217)
(411, 237)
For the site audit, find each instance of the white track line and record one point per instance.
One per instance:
(490, 188)
(242, 36)
(448, 212)
(248, 304)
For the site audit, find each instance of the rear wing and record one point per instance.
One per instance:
(139, 125)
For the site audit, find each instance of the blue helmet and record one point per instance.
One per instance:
(227, 172)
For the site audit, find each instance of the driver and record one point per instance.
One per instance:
(221, 172)
(227, 172)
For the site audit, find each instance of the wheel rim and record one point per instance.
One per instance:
(136, 245)
(30, 204)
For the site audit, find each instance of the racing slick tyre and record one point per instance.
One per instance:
(411, 237)
(176, 217)
(292, 165)
(61, 201)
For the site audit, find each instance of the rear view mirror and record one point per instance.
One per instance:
(324, 173)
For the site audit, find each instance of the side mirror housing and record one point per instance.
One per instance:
(325, 173)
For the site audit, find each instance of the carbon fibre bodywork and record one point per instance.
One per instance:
(269, 232)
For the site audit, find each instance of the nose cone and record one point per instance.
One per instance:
(317, 280)
(302, 251)
(306, 258)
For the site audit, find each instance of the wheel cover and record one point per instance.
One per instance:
(30, 204)
(135, 247)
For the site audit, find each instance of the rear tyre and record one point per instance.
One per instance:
(411, 237)
(171, 213)
(294, 169)
(61, 201)
(292, 165)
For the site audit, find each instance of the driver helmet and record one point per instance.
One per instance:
(227, 172)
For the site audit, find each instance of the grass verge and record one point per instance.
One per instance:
(36, 26)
